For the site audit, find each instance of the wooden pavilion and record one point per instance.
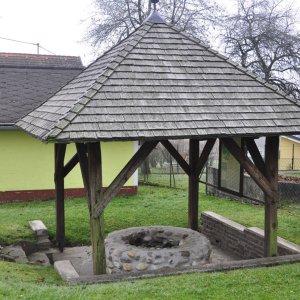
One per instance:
(160, 84)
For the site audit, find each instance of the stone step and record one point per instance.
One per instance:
(43, 244)
(39, 228)
(16, 252)
(39, 258)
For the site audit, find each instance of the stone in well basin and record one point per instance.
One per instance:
(155, 247)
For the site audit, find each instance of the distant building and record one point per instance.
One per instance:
(27, 165)
(289, 153)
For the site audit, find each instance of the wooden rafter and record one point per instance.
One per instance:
(124, 175)
(247, 164)
(180, 160)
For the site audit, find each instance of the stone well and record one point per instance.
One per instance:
(155, 247)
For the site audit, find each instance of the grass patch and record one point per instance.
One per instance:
(151, 206)
(32, 282)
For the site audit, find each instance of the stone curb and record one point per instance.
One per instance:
(66, 270)
(234, 265)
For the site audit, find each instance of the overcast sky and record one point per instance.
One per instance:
(55, 24)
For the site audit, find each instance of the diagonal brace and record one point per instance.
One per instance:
(180, 160)
(204, 156)
(124, 175)
(255, 154)
(247, 164)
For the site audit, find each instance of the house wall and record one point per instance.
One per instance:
(286, 154)
(27, 164)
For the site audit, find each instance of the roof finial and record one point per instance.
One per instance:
(154, 2)
(154, 17)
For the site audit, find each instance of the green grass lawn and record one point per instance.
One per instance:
(32, 282)
(152, 206)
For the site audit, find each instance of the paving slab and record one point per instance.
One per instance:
(16, 252)
(66, 270)
(39, 259)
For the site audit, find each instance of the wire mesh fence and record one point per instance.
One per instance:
(160, 169)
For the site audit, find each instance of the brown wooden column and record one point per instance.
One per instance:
(60, 150)
(271, 203)
(193, 185)
(96, 197)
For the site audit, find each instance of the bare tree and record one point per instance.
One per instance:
(263, 37)
(116, 19)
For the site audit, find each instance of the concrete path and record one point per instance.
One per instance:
(81, 258)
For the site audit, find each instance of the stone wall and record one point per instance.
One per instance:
(242, 241)
(288, 191)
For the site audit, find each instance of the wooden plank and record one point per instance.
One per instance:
(255, 154)
(204, 156)
(60, 151)
(71, 164)
(96, 197)
(180, 160)
(271, 203)
(193, 191)
(83, 163)
(125, 174)
(247, 164)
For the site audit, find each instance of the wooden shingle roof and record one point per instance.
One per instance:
(162, 84)
(27, 80)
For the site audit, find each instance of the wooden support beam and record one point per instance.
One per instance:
(124, 175)
(204, 156)
(60, 151)
(255, 154)
(247, 164)
(193, 185)
(271, 203)
(180, 160)
(83, 162)
(96, 197)
(71, 164)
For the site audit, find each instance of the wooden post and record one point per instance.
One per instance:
(60, 150)
(271, 203)
(193, 185)
(95, 197)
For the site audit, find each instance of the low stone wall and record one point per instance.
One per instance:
(288, 191)
(244, 242)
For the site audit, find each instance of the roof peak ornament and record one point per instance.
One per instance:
(154, 17)
(154, 2)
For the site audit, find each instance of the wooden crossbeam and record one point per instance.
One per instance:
(59, 153)
(252, 170)
(124, 175)
(96, 197)
(204, 156)
(70, 165)
(271, 203)
(180, 160)
(255, 154)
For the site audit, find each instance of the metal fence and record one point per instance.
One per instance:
(160, 169)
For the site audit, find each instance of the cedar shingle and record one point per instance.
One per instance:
(159, 83)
